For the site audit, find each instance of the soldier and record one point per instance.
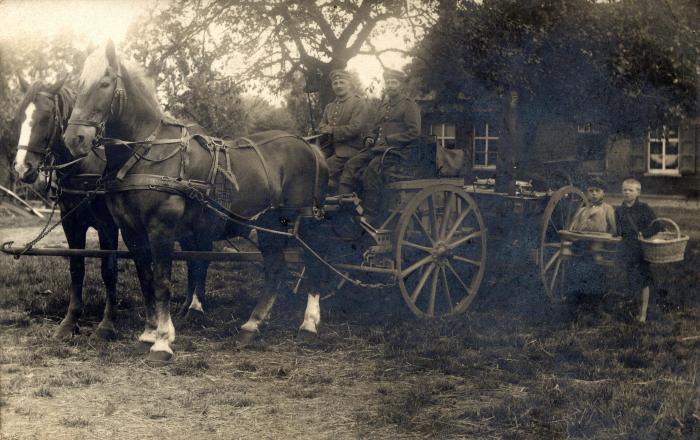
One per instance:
(344, 120)
(397, 125)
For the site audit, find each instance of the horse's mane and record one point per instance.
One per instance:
(133, 76)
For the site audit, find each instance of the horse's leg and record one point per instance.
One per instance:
(188, 244)
(162, 251)
(195, 313)
(108, 240)
(272, 249)
(317, 279)
(141, 254)
(75, 235)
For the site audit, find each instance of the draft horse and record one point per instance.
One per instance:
(161, 174)
(43, 114)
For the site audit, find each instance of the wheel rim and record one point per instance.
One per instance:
(440, 251)
(553, 265)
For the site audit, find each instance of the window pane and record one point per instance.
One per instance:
(672, 133)
(672, 148)
(449, 130)
(479, 145)
(449, 143)
(436, 129)
(655, 147)
(479, 130)
(492, 158)
(493, 146)
(671, 162)
(479, 159)
(655, 161)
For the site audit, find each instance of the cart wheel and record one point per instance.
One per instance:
(551, 258)
(440, 251)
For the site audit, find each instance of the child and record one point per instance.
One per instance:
(598, 216)
(634, 219)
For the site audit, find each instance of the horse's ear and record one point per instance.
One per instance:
(23, 84)
(111, 54)
(57, 87)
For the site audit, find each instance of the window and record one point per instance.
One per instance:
(445, 135)
(663, 151)
(485, 146)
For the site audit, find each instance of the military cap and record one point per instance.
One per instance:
(340, 74)
(394, 74)
(596, 182)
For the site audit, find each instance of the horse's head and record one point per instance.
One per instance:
(41, 126)
(100, 98)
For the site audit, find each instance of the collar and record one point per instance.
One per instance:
(597, 204)
(339, 99)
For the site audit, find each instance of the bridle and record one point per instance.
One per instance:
(118, 97)
(55, 131)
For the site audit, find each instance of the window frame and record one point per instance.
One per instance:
(441, 137)
(486, 138)
(665, 141)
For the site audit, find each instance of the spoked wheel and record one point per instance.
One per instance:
(551, 254)
(440, 251)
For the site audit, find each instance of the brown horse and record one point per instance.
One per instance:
(160, 175)
(44, 114)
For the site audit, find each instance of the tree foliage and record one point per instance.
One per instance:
(628, 63)
(267, 41)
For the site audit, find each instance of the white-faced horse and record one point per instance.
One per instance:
(162, 177)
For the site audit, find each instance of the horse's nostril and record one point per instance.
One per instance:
(81, 139)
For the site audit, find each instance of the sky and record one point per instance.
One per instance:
(99, 20)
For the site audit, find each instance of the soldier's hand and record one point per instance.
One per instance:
(369, 142)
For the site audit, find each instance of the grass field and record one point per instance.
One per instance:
(513, 367)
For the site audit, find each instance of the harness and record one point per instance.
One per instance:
(207, 191)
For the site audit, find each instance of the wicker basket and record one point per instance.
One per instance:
(668, 250)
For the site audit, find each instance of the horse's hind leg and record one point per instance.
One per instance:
(193, 309)
(108, 240)
(75, 235)
(272, 249)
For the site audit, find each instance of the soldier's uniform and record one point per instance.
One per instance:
(398, 124)
(346, 118)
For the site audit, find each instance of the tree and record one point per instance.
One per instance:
(267, 41)
(628, 63)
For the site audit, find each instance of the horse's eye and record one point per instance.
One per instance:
(105, 84)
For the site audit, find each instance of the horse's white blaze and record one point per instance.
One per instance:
(196, 305)
(148, 335)
(312, 316)
(24, 135)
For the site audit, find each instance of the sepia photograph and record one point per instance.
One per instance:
(350, 219)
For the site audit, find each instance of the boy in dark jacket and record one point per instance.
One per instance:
(634, 220)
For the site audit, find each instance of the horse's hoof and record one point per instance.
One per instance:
(195, 318)
(245, 339)
(142, 347)
(106, 333)
(65, 332)
(158, 358)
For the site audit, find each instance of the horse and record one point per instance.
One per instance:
(160, 177)
(43, 114)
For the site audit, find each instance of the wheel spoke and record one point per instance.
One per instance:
(422, 227)
(464, 239)
(421, 282)
(466, 260)
(416, 246)
(447, 214)
(454, 272)
(447, 288)
(552, 245)
(433, 294)
(551, 261)
(412, 268)
(458, 222)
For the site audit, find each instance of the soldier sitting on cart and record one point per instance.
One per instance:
(598, 216)
(634, 220)
(398, 124)
(344, 120)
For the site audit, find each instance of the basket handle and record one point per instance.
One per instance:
(670, 222)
